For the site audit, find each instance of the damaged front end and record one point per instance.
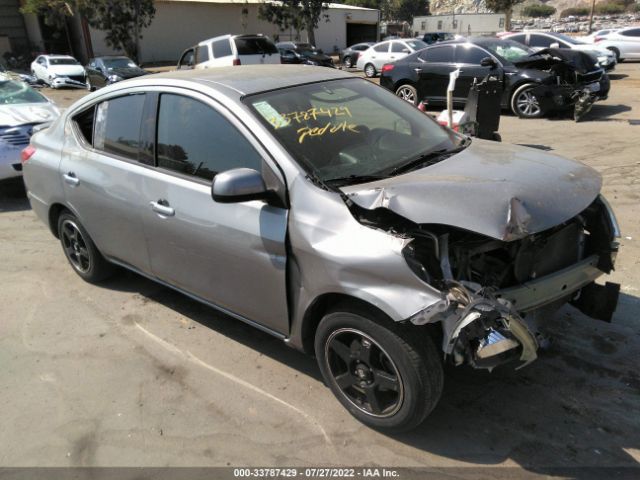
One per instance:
(576, 80)
(494, 289)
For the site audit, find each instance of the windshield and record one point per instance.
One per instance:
(345, 130)
(416, 44)
(508, 49)
(63, 61)
(254, 46)
(12, 92)
(120, 62)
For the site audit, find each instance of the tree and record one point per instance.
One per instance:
(405, 10)
(299, 15)
(503, 6)
(122, 20)
(538, 11)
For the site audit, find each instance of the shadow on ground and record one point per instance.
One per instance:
(578, 405)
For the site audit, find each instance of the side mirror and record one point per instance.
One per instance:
(406, 50)
(238, 185)
(554, 45)
(488, 62)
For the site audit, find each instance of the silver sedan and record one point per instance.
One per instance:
(324, 210)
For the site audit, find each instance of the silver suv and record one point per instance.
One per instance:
(329, 213)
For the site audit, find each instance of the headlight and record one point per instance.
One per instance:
(114, 78)
(52, 76)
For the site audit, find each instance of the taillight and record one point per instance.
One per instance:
(597, 39)
(27, 153)
(236, 62)
(386, 68)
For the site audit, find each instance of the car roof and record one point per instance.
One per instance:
(229, 36)
(247, 79)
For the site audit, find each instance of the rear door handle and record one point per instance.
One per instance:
(162, 207)
(71, 179)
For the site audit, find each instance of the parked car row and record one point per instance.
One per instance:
(65, 71)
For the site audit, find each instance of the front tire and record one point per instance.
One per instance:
(81, 252)
(347, 62)
(370, 70)
(380, 373)
(616, 52)
(408, 93)
(524, 103)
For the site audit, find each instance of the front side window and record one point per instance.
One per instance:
(397, 47)
(634, 32)
(194, 139)
(187, 59)
(541, 41)
(117, 126)
(438, 55)
(416, 45)
(508, 50)
(221, 48)
(202, 54)
(520, 38)
(342, 131)
(469, 55)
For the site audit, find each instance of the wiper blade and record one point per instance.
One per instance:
(351, 179)
(429, 158)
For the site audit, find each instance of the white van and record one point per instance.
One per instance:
(228, 50)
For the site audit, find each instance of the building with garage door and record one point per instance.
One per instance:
(179, 24)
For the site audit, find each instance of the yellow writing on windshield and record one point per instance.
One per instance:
(330, 128)
(314, 113)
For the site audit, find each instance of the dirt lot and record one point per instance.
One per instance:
(130, 373)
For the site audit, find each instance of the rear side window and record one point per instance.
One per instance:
(202, 54)
(383, 47)
(194, 139)
(221, 48)
(438, 54)
(117, 126)
(254, 46)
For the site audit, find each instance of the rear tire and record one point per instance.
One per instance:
(524, 104)
(381, 374)
(408, 93)
(370, 70)
(82, 254)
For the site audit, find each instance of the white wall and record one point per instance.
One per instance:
(179, 25)
(469, 24)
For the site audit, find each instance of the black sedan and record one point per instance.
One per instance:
(304, 53)
(424, 75)
(106, 70)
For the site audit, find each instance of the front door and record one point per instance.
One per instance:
(468, 58)
(434, 72)
(232, 255)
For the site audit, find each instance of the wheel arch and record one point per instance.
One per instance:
(55, 211)
(328, 302)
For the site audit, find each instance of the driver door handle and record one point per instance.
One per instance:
(162, 207)
(71, 179)
(417, 70)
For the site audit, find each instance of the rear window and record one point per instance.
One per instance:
(254, 46)
(117, 125)
(221, 48)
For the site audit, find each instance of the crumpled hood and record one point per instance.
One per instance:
(502, 191)
(20, 114)
(64, 70)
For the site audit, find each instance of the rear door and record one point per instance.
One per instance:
(100, 172)
(232, 255)
(256, 50)
(380, 55)
(438, 63)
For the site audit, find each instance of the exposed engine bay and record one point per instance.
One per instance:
(577, 80)
(484, 280)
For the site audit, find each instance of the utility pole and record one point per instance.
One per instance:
(593, 7)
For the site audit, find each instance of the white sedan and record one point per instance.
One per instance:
(624, 43)
(372, 59)
(59, 71)
(22, 110)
